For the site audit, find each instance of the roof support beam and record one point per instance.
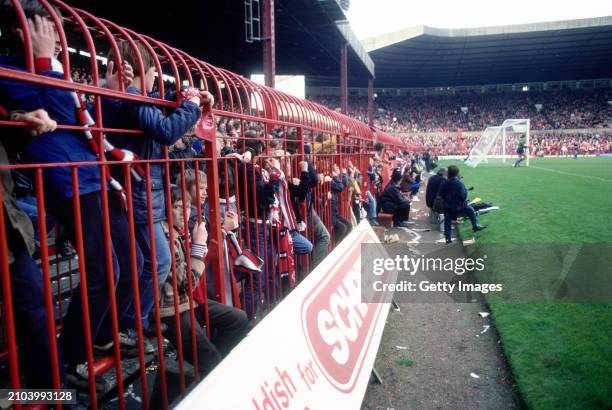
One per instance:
(269, 43)
(344, 77)
(371, 102)
(356, 46)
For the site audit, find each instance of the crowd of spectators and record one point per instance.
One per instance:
(567, 109)
(276, 205)
(76, 205)
(541, 144)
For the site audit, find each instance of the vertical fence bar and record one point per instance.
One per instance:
(44, 256)
(160, 344)
(135, 288)
(7, 295)
(190, 285)
(78, 233)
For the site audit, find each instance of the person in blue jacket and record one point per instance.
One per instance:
(339, 181)
(393, 202)
(159, 131)
(454, 194)
(58, 147)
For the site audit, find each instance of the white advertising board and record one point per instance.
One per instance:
(314, 351)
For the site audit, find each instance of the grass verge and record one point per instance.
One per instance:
(561, 354)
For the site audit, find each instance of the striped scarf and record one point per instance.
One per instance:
(284, 199)
(84, 119)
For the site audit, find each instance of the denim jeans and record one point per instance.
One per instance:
(31, 322)
(145, 282)
(320, 236)
(372, 206)
(268, 271)
(301, 245)
(121, 243)
(73, 336)
(449, 216)
(28, 205)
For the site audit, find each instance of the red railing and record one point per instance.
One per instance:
(256, 110)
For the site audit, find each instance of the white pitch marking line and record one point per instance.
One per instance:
(571, 174)
(416, 237)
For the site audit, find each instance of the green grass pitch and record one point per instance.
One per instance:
(561, 354)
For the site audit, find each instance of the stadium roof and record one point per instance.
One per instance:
(428, 57)
(308, 34)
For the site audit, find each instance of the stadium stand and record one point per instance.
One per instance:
(439, 124)
(569, 109)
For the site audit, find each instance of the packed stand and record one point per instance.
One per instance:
(541, 144)
(570, 109)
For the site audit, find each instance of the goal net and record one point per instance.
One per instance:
(500, 142)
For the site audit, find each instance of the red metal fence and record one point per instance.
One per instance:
(248, 111)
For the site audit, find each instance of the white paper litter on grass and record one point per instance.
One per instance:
(421, 229)
(474, 375)
(485, 328)
(469, 242)
(401, 347)
(483, 314)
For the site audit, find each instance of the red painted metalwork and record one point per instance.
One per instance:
(333, 137)
(8, 304)
(44, 257)
(344, 77)
(371, 102)
(269, 43)
(83, 286)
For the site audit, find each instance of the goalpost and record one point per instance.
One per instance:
(490, 145)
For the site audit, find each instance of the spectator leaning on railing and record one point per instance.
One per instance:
(159, 131)
(62, 146)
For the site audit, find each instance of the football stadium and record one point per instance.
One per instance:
(305, 204)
